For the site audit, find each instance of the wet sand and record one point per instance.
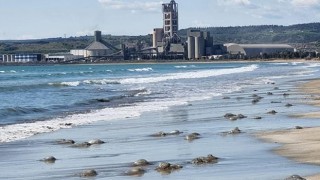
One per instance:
(301, 145)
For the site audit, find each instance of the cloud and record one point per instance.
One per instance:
(154, 6)
(305, 3)
(236, 2)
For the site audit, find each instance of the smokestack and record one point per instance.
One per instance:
(97, 36)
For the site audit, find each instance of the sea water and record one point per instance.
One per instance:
(124, 104)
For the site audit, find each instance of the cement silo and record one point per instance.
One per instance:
(191, 47)
(157, 36)
(199, 47)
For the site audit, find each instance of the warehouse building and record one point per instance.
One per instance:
(96, 49)
(253, 50)
(21, 58)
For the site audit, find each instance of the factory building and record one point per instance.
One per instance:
(61, 57)
(253, 50)
(170, 19)
(96, 49)
(21, 58)
(200, 44)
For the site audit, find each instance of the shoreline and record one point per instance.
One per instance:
(300, 144)
(165, 62)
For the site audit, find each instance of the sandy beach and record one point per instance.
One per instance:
(301, 145)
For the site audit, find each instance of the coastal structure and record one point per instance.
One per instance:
(21, 58)
(252, 50)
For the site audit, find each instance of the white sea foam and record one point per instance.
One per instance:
(141, 70)
(2, 72)
(101, 82)
(13, 71)
(296, 63)
(183, 66)
(21, 131)
(189, 75)
(312, 65)
(74, 84)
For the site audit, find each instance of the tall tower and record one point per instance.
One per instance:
(170, 19)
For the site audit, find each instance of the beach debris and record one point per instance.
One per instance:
(235, 131)
(141, 162)
(96, 141)
(82, 145)
(234, 117)
(192, 136)
(295, 177)
(226, 97)
(257, 117)
(49, 159)
(289, 105)
(167, 168)
(136, 171)
(163, 134)
(269, 93)
(210, 159)
(255, 101)
(299, 127)
(88, 173)
(276, 102)
(276, 88)
(239, 98)
(65, 141)
(285, 94)
(272, 112)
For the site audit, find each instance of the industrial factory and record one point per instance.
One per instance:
(166, 44)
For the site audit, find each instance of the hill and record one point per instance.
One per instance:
(300, 35)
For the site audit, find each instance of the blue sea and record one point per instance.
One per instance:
(125, 103)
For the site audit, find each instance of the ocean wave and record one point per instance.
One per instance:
(141, 70)
(184, 66)
(2, 71)
(101, 82)
(18, 111)
(72, 84)
(312, 65)
(15, 132)
(189, 75)
(296, 63)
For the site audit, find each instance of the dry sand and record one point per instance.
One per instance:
(302, 145)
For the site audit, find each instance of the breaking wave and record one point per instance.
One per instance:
(141, 70)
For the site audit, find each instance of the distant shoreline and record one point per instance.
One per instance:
(162, 62)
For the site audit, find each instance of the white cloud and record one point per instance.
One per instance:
(236, 2)
(305, 3)
(134, 6)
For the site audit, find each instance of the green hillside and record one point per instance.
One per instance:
(300, 33)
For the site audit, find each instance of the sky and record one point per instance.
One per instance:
(34, 19)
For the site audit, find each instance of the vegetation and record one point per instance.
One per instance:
(300, 33)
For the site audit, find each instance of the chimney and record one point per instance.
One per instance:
(97, 36)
